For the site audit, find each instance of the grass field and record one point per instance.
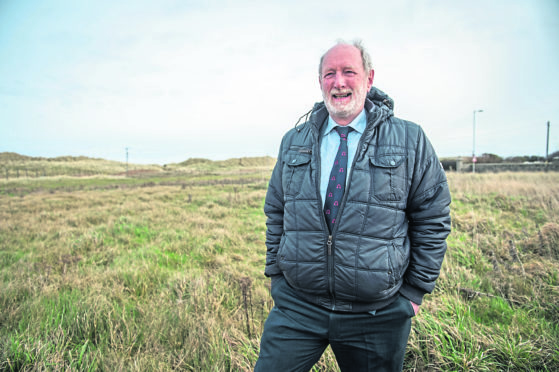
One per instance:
(163, 270)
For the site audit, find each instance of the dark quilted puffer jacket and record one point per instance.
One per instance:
(391, 226)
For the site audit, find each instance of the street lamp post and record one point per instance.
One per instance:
(474, 160)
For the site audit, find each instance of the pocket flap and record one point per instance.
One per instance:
(388, 160)
(296, 159)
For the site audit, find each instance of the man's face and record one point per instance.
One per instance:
(344, 83)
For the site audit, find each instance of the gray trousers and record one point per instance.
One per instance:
(297, 332)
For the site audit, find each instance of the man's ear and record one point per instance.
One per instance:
(370, 79)
(320, 81)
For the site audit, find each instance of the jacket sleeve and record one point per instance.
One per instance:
(429, 221)
(273, 208)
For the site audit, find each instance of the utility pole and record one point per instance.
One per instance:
(547, 144)
(547, 148)
(474, 160)
(127, 162)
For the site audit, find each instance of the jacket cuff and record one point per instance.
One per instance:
(272, 270)
(413, 294)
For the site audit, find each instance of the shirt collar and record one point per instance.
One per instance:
(358, 124)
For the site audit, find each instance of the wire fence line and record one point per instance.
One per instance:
(20, 172)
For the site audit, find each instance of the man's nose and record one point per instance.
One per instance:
(339, 81)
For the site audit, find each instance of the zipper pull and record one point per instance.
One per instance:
(329, 244)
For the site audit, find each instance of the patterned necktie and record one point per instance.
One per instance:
(336, 183)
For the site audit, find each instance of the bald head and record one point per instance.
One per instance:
(365, 56)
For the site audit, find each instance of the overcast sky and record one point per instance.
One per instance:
(176, 79)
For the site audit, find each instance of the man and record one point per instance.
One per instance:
(358, 214)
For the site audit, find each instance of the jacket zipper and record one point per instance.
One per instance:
(329, 262)
(331, 271)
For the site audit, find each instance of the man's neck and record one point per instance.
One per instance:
(344, 121)
(353, 122)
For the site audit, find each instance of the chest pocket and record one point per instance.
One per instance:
(295, 167)
(388, 176)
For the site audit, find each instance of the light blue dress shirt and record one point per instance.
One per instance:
(330, 144)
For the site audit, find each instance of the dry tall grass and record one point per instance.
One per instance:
(162, 275)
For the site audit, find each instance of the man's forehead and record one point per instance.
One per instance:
(342, 55)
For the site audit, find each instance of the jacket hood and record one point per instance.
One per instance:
(379, 98)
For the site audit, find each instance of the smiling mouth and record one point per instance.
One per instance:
(341, 95)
